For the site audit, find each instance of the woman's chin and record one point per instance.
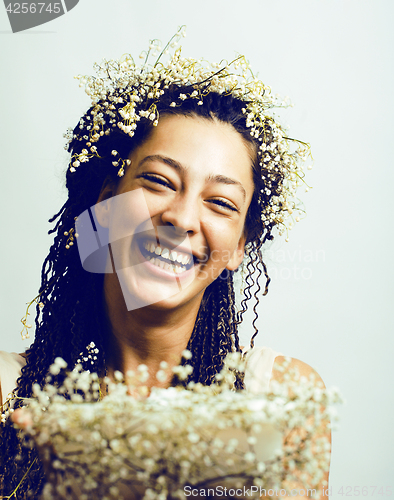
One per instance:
(147, 284)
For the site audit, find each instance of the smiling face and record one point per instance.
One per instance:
(185, 198)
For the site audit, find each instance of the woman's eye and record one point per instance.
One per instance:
(225, 204)
(156, 179)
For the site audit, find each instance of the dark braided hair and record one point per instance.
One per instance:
(73, 314)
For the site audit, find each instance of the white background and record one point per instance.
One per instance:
(335, 60)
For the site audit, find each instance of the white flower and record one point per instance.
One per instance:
(186, 354)
(249, 457)
(193, 437)
(195, 432)
(123, 92)
(161, 376)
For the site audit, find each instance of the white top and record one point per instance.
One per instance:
(10, 370)
(260, 361)
(258, 372)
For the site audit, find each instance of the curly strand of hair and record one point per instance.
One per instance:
(247, 294)
(256, 294)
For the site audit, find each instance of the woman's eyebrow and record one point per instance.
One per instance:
(163, 159)
(219, 179)
(223, 179)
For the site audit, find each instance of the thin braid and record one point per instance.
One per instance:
(55, 336)
(233, 325)
(215, 333)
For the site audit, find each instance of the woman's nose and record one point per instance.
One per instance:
(182, 213)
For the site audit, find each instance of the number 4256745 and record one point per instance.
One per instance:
(364, 491)
(34, 8)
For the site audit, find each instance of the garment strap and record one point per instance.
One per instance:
(259, 364)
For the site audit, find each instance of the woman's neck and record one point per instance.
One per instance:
(147, 336)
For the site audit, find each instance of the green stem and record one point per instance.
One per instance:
(23, 478)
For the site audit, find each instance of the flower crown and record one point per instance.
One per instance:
(124, 93)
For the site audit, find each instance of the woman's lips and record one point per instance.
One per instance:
(163, 260)
(166, 254)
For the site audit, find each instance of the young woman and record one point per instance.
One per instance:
(182, 174)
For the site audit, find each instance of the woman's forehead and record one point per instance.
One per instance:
(196, 142)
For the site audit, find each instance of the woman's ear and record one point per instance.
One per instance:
(102, 207)
(238, 255)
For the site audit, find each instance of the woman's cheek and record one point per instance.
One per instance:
(203, 275)
(215, 256)
(205, 258)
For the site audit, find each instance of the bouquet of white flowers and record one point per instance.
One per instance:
(157, 445)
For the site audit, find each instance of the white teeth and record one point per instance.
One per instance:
(166, 253)
(166, 266)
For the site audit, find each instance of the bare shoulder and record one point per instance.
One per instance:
(304, 369)
(279, 369)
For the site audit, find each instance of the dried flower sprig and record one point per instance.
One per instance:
(198, 435)
(25, 330)
(124, 93)
(14, 493)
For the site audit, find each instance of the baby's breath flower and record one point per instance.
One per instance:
(186, 354)
(161, 376)
(123, 93)
(177, 436)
